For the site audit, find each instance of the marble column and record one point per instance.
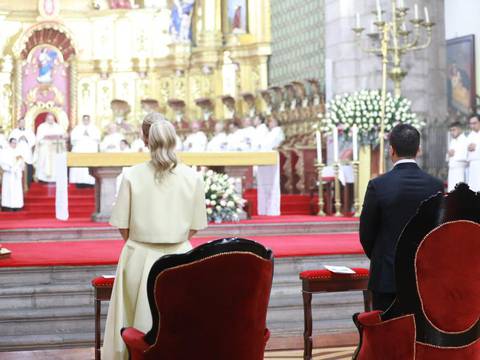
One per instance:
(105, 191)
(425, 85)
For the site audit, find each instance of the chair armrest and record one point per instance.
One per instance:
(135, 342)
(368, 318)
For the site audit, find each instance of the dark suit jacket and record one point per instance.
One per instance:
(390, 201)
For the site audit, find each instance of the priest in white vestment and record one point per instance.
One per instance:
(235, 138)
(111, 141)
(12, 164)
(138, 145)
(473, 157)
(261, 131)
(25, 144)
(85, 138)
(50, 142)
(219, 141)
(268, 177)
(197, 140)
(248, 134)
(456, 156)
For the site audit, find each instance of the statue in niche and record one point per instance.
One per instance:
(181, 20)
(46, 62)
(237, 16)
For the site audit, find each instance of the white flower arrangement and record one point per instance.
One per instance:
(221, 198)
(363, 109)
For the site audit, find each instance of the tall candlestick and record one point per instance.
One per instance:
(355, 142)
(319, 146)
(358, 20)
(335, 144)
(379, 11)
(416, 12)
(427, 16)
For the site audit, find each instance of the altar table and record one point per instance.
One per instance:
(106, 167)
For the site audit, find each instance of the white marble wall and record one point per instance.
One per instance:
(353, 69)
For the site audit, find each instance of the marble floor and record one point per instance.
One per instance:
(337, 353)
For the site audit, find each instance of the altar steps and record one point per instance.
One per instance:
(52, 307)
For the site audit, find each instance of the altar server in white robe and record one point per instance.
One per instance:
(473, 157)
(219, 141)
(111, 141)
(12, 164)
(25, 144)
(85, 138)
(456, 156)
(268, 177)
(197, 140)
(160, 206)
(50, 142)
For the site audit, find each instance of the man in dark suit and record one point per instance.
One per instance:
(390, 201)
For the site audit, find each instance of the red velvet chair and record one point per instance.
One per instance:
(210, 303)
(436, 314)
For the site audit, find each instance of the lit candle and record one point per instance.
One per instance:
(358, 20)
(335, 144)
(319, 146)
(379, 11)
(355, 142)
(416, 11)
(427, 15)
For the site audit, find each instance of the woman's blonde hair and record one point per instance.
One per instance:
(162, 142)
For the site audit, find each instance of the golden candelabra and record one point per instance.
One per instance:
(338, 203)
(394, 41)
(319, 166)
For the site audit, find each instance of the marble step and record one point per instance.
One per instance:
(221, 230)
(53, 306)
(48, 321)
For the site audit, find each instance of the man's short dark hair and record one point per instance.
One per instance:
(405, 140)
(456, 124)
(474, 116)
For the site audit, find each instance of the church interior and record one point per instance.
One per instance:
(287, 114)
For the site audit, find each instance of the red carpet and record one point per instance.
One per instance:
(106, 252)
(9, 223)
(40, 203)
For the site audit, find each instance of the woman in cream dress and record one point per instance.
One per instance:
(160, 206)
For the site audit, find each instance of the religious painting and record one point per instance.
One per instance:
(237, 16)
(181, 20)
(461, 88)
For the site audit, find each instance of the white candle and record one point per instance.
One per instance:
(416, 11)
(358, 21)
(401, 4)
(335, 144)
(379, 11)
(355, 142)
(427, 16)
(319, 146)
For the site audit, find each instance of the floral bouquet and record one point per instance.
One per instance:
(221, 197)
(363, 109)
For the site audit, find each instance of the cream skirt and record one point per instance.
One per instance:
(129, 302)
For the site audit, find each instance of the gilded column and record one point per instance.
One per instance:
(17, 97)
(211, 29)
(73, 93)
